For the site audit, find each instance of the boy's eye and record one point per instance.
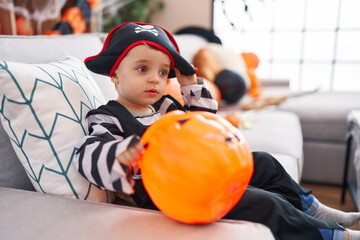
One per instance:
(141, 69)
(164, 73)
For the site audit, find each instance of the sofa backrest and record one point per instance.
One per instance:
(42, 49)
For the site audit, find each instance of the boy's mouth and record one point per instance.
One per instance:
(152, 92)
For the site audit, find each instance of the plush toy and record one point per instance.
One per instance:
(227, 58)
(213, 59)
(207, 64)
(231, 84)
(200, 185)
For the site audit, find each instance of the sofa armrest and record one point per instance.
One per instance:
(33, 215)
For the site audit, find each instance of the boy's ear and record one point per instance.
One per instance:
(114, 78)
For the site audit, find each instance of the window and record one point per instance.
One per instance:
(311, 43)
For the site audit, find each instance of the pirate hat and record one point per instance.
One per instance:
(128, 35)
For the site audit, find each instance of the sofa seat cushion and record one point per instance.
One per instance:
(276, 132)
(32, 215)
(323, 114)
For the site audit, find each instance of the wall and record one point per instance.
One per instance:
(183, 13)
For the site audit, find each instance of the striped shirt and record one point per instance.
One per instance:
(112, 129)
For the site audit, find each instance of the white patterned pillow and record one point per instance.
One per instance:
(42, 108)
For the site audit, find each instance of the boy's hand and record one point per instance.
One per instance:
(185, 79)
(129, 158)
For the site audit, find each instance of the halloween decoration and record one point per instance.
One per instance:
(231, 84)
(196, 166)
(252, 62)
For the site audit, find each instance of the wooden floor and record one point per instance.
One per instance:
(330, 196)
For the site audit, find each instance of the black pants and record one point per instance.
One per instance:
(272, 199)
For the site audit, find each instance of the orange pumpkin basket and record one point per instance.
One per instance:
(196, 166)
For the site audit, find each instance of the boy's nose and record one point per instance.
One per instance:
(154, 77)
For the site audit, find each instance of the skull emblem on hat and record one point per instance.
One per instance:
(146, 28)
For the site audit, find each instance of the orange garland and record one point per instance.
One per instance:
(94, 3)
(75, 18)
(24, 27)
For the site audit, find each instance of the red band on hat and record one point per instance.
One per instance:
(142, 42)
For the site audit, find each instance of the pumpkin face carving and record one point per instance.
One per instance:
(196, 166)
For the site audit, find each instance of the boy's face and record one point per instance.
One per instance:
(141, 78)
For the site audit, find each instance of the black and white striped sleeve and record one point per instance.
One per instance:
(198, 98)
(96, 156)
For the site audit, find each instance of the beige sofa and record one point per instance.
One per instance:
(33, 215)
(323, 118)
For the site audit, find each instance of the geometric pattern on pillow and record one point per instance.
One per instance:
(42, 108)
